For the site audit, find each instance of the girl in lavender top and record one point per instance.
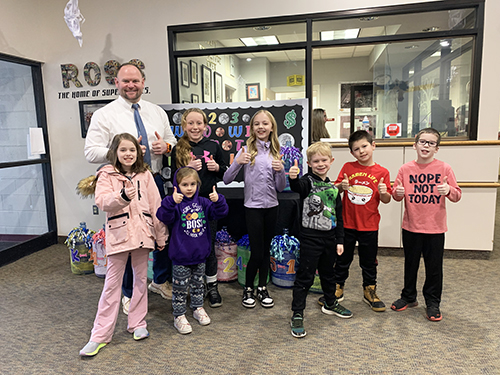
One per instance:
(264, 175)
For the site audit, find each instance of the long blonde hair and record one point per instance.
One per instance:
(183, 148)
(273, 138)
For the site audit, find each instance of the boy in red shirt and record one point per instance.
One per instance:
(364, 183)
(424, 183)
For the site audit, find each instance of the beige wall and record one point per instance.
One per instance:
(123, 30)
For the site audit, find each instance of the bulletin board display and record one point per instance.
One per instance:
(229, 123)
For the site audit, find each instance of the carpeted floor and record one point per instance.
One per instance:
(46, 314)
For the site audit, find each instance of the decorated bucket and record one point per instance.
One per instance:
(243, 256)
(290, 154)
(79, 242)
(284, 259)
(150, 265)
(99, 257)
(226, 251)
(226, 261)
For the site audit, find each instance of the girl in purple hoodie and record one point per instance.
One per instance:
(189, 248)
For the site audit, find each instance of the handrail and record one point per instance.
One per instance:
(475, 184)
(388, 143)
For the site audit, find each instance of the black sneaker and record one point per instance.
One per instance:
(297, 324)
(263, 297)
(337, 309)
(214, 298)
(339, 293)
(433, 314)
(248, 299)
(401, 305)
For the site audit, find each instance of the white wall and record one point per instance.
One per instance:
(125, 29)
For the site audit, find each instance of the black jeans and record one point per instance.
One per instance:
(431, 246)
(315, 253)
(367, 252)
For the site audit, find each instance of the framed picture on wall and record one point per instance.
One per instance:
(206, 82)
(194, 72)
(195, 98)
(184, 74)
(253, 91)
(87, 109)
(218, 88)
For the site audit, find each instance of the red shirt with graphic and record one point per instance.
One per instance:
(360, 202)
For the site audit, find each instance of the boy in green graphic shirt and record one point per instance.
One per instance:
(321, 235)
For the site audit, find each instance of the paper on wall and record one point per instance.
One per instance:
(36, 144)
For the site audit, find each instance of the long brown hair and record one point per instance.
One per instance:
(318, 130)
(273, 138)
(183, 148)
(112, 155)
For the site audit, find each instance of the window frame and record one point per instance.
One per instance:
(476, 33)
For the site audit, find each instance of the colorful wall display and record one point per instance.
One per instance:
(229, 123)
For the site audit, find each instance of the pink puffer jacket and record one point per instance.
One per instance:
(129, 224)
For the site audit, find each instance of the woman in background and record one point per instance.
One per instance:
(318, 125)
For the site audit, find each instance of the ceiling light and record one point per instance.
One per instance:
(413, 46)
(444, 43)
(249, 59)
(339, 34)
(432, 28)
(260, 41)
(262, 28)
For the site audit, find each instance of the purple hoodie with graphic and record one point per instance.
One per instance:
(190, 236)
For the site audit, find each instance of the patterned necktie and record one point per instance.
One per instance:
(141, 130)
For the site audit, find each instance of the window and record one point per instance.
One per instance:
(412, 64)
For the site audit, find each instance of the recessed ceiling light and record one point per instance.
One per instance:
(260, 41)
(444, 43)
(339, 34)
(413, 46)
(370, 18)
(432, 28)
(262, 28)
(249, 59)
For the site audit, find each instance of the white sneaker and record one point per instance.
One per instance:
(201, 316)
(125, 305)
(165, 289)
(182, 325)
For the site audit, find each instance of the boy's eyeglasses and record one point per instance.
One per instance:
(430, 143)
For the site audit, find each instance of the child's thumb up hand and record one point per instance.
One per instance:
(382, 188)
(444, 189)
(400, 189)
(177, 197)
(345, 182)
(214, 197)
(294, 170)
(277, 164)
(130, 191)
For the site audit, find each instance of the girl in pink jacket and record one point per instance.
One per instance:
(127, 192)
